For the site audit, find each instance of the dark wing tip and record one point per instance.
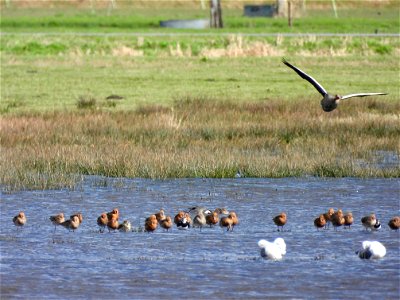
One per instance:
(284, 61)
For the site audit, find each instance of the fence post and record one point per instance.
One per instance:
(215, 14)
(290, 13)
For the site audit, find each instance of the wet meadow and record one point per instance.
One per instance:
(101, 108)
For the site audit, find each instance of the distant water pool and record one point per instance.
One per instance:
(211, 263)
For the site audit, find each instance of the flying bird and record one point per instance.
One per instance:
(329, 102)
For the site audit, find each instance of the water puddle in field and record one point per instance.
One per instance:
(194, 264)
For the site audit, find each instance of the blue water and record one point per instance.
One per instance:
(37, 263)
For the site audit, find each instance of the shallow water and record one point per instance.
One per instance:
(194, 264)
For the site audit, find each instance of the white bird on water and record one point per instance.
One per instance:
(274, 250)
(371, 250)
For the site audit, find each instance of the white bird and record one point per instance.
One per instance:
(371, 249)
(329, 102)
(274, 250)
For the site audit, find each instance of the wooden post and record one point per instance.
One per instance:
(290, 13)
(221, 24)
(215, 14)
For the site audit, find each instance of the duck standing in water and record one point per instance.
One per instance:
(151, 223)
(328, 216)
(369, 222)
(394, 223)
(166, 223)
(57, 220)
(337, 219)
(226, 222)
(280, 220)
(112, 224)
(212, 219)
(348, 219)
(329, 102)
(179, 216)
(71, 224)
(80, 217)
(20, 219)
(200, 219)
(320, 222)
(230, 221)
(160, 215)
(113, 214)
(102, 221)
(183, 224)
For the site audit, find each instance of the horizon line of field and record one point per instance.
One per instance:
(205, 34)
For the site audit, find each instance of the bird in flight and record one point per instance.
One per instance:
(329, 102)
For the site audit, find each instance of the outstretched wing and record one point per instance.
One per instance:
(307, 77)
(361, 95)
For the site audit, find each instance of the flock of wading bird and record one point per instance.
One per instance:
(200, 216)
(195, 217)
(370, 249)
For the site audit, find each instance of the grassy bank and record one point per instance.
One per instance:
(200, 138)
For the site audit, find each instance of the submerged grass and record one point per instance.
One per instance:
(199, 137)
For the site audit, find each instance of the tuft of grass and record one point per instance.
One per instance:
(86, 102)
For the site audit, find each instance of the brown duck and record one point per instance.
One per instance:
(280, 220)
(394, 223)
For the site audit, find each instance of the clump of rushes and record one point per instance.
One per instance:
(199, 137)
(86, 102)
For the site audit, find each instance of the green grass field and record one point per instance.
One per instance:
(57, 83)
(193, 106)
(139, 16)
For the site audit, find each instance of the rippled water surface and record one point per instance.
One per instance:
(194, 264)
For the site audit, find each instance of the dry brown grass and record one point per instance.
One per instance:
(198, 138)
(238, 47)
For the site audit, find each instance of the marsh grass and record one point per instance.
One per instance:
(86, 101)
(198, 137)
